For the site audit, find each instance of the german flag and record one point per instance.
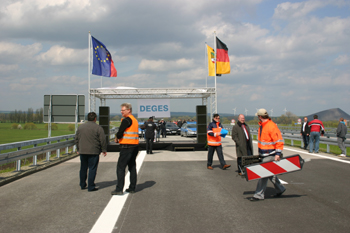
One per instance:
(222, 59)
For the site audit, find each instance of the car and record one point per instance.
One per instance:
(189, 129)
(141, 131)
(172, 128)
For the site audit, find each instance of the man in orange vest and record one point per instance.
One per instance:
(128, 138)
(270, 144)
(214, 142)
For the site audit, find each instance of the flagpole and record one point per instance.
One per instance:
(216, 93)
(89, 70)
(207, 64)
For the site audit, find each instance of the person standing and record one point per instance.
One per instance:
(149, 135)
(304, 132)
(243, 139)
(162, 126)
(270, 144)
(341, 132)
(128, 138)
(90, 141)
(316, 130)
(214, 143)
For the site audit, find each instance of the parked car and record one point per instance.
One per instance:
(172, 128)
(141, 131)
(189, 129)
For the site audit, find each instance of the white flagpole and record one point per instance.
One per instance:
(216, 93)
(207, 64)
(89, 70)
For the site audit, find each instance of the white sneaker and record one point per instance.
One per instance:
(342, 155)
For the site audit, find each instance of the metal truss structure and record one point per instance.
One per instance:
(152, 93)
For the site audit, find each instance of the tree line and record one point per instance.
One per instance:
(23, 116)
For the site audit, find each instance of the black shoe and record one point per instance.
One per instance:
(255, 199)
(151, 152)
(130, 191)
(279, 194)
(82, 188)
(92, 190)
(115, 192)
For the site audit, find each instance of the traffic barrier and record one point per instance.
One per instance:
(266, 169)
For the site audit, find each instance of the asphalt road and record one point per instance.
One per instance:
(176, 193)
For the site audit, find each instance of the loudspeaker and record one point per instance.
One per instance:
(104, 120)
(201, 116)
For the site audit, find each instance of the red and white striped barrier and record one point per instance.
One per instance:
(285, 165)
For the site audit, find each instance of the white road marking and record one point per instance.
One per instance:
(105, 223)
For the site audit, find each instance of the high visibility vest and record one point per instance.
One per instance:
(270, 141)
(214, 141)
(131, 134)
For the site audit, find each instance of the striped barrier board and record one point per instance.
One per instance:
(266, 169)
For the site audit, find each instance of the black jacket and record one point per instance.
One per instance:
(149, 128)
(307, 128)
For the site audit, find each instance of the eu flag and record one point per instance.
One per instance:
(103, 64)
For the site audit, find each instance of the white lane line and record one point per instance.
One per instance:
(106, 222)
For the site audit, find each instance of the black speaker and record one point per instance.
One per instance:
(201, 116)
(104, 120)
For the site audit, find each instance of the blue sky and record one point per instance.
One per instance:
(292, 54)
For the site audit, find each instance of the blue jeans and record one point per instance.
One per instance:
(88, 162)
(314, 136)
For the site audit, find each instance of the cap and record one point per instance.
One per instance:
(261, 112)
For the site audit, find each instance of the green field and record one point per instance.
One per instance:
(8, 135)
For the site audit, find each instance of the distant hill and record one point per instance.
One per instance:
(330, 115)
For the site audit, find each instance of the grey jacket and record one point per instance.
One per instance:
(90, 139)
(240, 139)
(341, 130)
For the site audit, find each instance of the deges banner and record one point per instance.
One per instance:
(153, 107)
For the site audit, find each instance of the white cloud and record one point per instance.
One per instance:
(59, 55)
(342, 59)
(163, 65)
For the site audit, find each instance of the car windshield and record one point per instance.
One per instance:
(192, 126)
(171, 125)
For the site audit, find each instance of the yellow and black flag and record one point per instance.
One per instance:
(222, 59)
(211, 61)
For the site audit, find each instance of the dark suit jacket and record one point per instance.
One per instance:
(241, 142)
(307, 128)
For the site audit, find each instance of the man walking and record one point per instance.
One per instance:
(90, 141)
(304, 132)
(214, 143)
(316, 130)
(241, 136)
(341, 132)
(270, 144)
(128, 138)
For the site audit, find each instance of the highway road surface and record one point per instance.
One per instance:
(177, 193)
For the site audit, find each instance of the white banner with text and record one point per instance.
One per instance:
(153, 107)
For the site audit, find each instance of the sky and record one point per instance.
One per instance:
(284, 55)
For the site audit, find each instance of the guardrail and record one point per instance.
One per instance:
(65, 141)
(294, 135)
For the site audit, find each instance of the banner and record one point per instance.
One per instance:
(153, 107)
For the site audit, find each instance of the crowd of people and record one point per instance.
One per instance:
(91, 142)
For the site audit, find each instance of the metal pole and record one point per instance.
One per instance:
(206, 64)
(216, 94)
(89, 69)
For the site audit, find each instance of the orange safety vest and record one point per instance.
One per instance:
(214, 141)
(270, 141)
(131, 134)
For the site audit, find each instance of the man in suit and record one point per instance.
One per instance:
(304, 132)
(243, 139)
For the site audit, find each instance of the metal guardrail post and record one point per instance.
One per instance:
(18, 162)
(58, 151)
(35, 158)
(48, 154)
(67, 148)
(328, 148)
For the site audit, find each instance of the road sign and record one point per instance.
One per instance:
(266, 169)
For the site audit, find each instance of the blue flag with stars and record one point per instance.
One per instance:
(103, 64)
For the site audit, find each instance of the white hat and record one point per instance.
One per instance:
(261, 112)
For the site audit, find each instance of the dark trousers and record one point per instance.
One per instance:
(127, 157)
(239, 159)
(88, 162)
(306, 140)
(163, 132)
(149, 144)
(211, 151)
